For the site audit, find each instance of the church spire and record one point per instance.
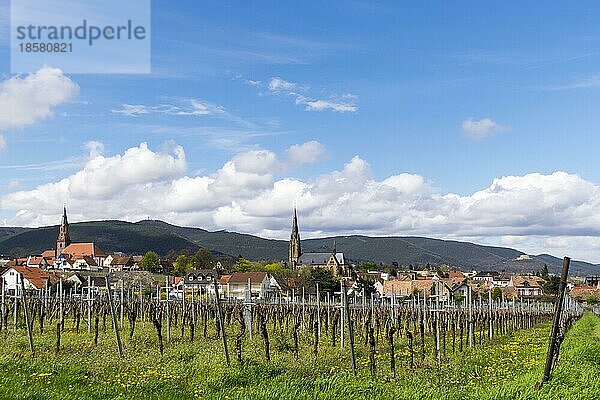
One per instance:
(295, 250)
(64, 239)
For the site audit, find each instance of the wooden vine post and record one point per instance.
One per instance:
(470, 317)
(221, 320)
(552, 345)
(168, 310)
(114, 317)
(89, 307)
(26, 312)
(350, 328)
(3, 309)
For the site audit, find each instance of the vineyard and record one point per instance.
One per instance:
(120, 344)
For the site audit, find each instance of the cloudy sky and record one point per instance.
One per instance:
(450, 120)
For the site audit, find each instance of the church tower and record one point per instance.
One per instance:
(63, 239)
(295, 251)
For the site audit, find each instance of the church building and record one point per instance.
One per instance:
(76, 256)
(333, 261)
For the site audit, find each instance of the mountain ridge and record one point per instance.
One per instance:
(162, 237)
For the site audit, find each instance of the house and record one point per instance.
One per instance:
(333, 261)
(79, 250)
(592, 280)
(527, 285)
(17, 262)
(33, 278)
(458, 290)
(373, 276)
(262, 285)
(76, 263)
(397, 288)
(406, 288)
(502, 280)
(38, 261)
(49, 254)
(456, 275)
(4, 260)
(177, 284)
(84, 281)
(486, 276)
(585, 292)
(85, 263)
(69, 255)
(119, 263)
(201, 277)
(137, 261)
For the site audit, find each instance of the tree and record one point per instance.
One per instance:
(590, 299)
(272, 268)
(150, 262)
(309, 277)
(368, 266)
(544, 273)
(496, 293)
(242, 265)
(550, 287)
(203, 259)
(183, 264)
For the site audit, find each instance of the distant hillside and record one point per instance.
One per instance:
(7, 231)
(137, 238)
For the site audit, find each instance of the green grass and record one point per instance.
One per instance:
(506, 368)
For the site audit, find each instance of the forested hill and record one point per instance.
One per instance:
(137, 238)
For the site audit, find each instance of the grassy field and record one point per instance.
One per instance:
(507, 368)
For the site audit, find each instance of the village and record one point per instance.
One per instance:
(85, 265)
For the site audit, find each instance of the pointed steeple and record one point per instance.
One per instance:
(295, 223)
(295, 250)
(64, 239)
(64, 217)
(334, 248)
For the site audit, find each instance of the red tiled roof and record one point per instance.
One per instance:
(37, 277)
(35, 260)
(456, 274)
(49, 253)
(84, 249)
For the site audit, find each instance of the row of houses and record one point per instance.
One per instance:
(588, 292)
(458, 284)
(79, 257)
(238, 285)
(36, 279)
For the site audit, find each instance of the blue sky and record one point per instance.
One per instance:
(412, 73)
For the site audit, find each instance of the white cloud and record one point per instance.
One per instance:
(188, 107)
(95, 148)
(132, 110)
(306, 153)
(342, 104)
(535, 212)
(2, 143)
(25, 100)
(480, 129)
(277, 84)
(320, 105)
